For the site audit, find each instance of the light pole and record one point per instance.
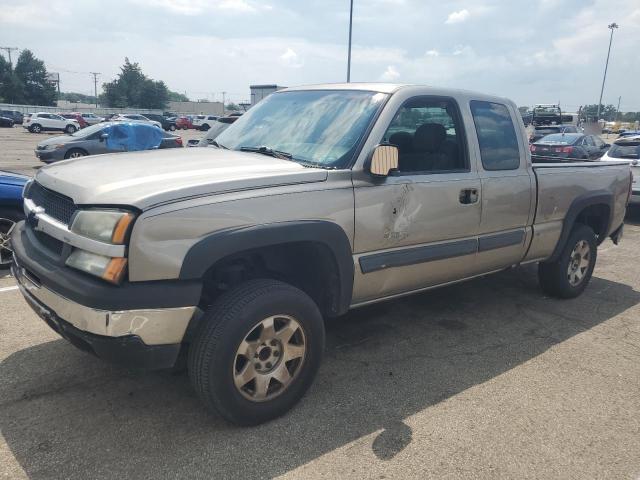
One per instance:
(611, 26)
(349, 54)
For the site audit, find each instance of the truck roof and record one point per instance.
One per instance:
(394, 87)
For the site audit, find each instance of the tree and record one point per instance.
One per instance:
(589, 112)
(133, 88)
(232, 107)
(75, 97)
(27, 83)
(31, 74)
(177, 97)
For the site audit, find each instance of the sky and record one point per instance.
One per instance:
(535, 51)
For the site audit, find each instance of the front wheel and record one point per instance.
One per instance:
(172, 128)
(75, 153)
(35, 128)
(70, 129)
(8, 220)
(569, 274)
(257, 351)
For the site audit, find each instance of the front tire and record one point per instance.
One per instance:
(8, 220)
(35, 128)
(75, 153)
(569, 275)
(257, 351)
(172, 128)
(70, 129)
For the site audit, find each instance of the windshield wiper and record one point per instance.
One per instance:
(216, 144)
(264, 150)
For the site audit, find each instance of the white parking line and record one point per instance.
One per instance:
(8, 289)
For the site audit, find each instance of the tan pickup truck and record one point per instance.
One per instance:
(318, 200)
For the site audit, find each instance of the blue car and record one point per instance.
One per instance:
(11, 212)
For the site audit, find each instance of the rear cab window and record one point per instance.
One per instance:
(497, 137)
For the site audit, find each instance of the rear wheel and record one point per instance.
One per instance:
(257, 351)
(70, 129)
(569, 275)
(172, 128)
(205, 127)
(35, 128)
(8, 220)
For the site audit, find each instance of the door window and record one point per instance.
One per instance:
(496, 136)
(588, 140)
(429, 136)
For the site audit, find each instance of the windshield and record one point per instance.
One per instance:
(216, 129)
(560, 138)
(85, 132)
(321, 127)
(627, 150)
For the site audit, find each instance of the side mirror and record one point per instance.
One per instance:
(103, 136)
(384, 159)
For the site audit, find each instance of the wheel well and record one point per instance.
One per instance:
(77, 149)
(597, 217)
(307, 265)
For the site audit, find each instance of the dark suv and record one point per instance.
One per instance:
(14, 115)
(167, 122)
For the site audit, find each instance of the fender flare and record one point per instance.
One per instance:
(216, 246)
(598, 197)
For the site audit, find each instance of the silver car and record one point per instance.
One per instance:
(91, 141)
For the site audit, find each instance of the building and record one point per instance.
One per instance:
(196, 108)
(258, 92)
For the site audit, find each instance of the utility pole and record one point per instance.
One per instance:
(9, 50)
(223, 100)
(349, 53)
(95, 85)
(618, 109)
(611, 27)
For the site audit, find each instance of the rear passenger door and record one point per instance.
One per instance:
(507, 188)
(418, 227)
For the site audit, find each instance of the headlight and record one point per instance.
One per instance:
(109, 269)
(55, 147)
(109, 226)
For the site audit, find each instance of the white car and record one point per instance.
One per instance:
(204, 122)
(91, 118)
(43, 122)
(628, 148)
(134, 117)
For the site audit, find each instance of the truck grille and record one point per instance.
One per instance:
(52, 244)
(55, 205)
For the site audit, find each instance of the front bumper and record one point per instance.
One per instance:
(48, 156)
(138, 325)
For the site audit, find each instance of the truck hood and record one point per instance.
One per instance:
(145, 179)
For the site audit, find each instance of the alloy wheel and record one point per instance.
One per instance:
(579, 263)
(6, 254)
(269, 358)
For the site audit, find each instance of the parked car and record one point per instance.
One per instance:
(629, 133)
(216, 129)
(95, 140)
(628, 148)
(11, 212)
(184, 123)
(134, 117)
(318, 200)
(546, 114)
(167, 123)
(541, 131)
(91, 118)
(204, 122)
(14, 115)
(6, 122)
(569, 145)
(44, 122)
(75, 116)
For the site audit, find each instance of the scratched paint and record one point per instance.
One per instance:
(404, 209)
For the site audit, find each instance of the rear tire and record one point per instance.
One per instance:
(570, 273)
(257, 351)
(70, 129)
(35, 128)
(8, 219)
(205, 127)
(172, 128)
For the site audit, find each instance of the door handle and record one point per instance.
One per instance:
(468, 196)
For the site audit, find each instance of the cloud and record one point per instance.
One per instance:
(432, 53)
(290, 59)
(391, 74)
(457, 17)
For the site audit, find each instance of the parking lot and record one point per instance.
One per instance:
(484, 379)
